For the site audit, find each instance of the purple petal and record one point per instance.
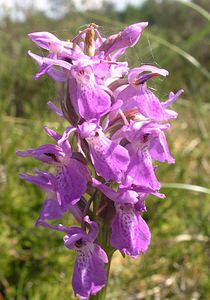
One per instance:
(170, 114)
(172, 98)
(123, 195)
(134, 73)
(100, 253)
(89, 100)
(55, 109)
(130, 233)
(43, 39)
(118, 53)
(51, 210)
(46, 63)
(149, 105)
(63, 141)
(71, 182)
(133, 32)
(56, 75)
(93, 232)
(52, 133)
(159, 149)
(146, 102)
(71, 239)
(124, 39)
(75, 232)
(50, 154)
(89, 275)
(140, 170)
(58, 47)
(110, 160)
(43, 180)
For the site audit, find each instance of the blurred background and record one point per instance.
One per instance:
(34, 264)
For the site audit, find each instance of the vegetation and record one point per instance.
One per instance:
(34, 264)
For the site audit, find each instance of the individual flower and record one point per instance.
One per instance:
(109, 159)
(71, 174)
(137, 95)
(145, 141)
(88, 98)
(51, 209)
(89, 275)
(59, 53)
(130, 233)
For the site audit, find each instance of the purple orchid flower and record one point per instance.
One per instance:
(151, 134)
(46, 67)
(109, 159)
(72, 175)
(89, 275)
(137, 94)
(59, 51)
(44, 39)
(51, 208)
(130, 233)
(146, 141)
(88, 98)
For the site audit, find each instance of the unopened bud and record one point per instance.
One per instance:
(90, 41)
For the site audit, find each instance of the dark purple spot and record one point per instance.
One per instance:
(53, 156)
(79, 243)
(146, 137)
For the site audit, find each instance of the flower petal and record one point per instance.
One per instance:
(140, 171)
(89, 100)
(110, 160)
(159, 149)
(128, 37)
(48, 153)
(93, 232)
(51, 210)
(71, 182)
(134, 73)
(43, 39)
(130, 233)
(89, 275)
(123, 195)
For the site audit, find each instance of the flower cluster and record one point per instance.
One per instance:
(103, 161)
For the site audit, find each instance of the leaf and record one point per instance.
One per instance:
(185, 186)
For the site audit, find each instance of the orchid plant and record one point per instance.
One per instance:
(103, 161)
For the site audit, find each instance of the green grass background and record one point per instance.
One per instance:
(33, 261)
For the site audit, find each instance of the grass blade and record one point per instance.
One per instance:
(182, 53)
(188, 187)
(197, 8)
